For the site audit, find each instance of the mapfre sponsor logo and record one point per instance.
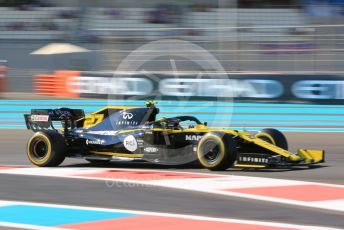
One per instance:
(127, 116)
(94, 142)
(39, 117)
(193, 137)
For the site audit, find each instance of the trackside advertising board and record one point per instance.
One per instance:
(209, 86)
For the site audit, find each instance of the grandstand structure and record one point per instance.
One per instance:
(242, 39)
(60, 23)
(46, 23)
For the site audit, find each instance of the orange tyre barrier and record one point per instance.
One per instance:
(56, 84)
(44, 84)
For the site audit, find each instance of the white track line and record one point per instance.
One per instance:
(215, 185)
(28, 226)
(162, 214)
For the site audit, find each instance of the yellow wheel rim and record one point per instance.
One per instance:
(211, 159)
(39, 149)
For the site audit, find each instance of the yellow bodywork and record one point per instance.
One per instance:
(93, 120)
(99, 115)
(311, 156)
(249, 166)
(307, 156)
(128, 155)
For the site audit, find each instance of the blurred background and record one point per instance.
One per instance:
(246, 36)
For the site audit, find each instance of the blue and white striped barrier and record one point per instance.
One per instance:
(251, 116)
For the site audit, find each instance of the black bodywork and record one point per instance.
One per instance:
(160, 141)
(122, 133)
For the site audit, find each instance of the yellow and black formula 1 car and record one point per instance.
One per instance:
(128, 133)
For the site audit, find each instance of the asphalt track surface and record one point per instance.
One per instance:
(96, 193)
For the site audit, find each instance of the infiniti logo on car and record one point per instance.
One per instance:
(127, 116)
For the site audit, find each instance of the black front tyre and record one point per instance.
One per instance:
(217, 151)
(46, 149)
(273, 136)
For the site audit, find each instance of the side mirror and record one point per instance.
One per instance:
(205, 123)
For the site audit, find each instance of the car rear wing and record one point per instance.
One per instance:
(42, 119)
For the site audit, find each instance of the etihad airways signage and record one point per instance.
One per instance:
(249, 87)
(185, 87)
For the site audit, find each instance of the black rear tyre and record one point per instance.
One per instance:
(277, 137)
(46, 149)
(217, 151)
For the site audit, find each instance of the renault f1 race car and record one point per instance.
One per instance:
(134, 133)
